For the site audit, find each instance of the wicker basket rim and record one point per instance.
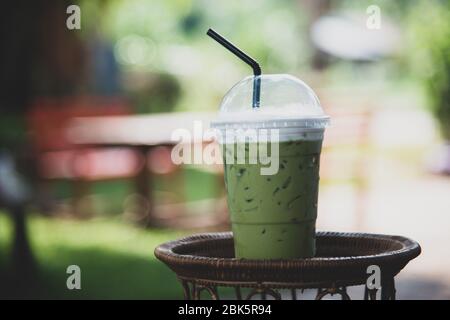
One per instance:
(408, 250)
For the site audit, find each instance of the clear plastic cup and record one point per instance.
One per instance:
(271, 161)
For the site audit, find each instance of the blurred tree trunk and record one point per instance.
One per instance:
(17, 22)
(39, 57)
(316, 9)
(22, 256)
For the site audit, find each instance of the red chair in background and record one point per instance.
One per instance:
(57, 158)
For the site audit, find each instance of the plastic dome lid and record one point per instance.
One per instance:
(285, 102)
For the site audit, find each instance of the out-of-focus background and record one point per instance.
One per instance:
(86, 176)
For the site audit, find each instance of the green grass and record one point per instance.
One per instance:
(116, 260)
(115, 257)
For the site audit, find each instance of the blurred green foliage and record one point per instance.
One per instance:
(158, 37)
(430, 56)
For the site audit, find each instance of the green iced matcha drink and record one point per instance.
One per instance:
(274, 216)
(273, 212)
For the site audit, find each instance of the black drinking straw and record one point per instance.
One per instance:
(247, 59)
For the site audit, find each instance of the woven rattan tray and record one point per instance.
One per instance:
(342, 259)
